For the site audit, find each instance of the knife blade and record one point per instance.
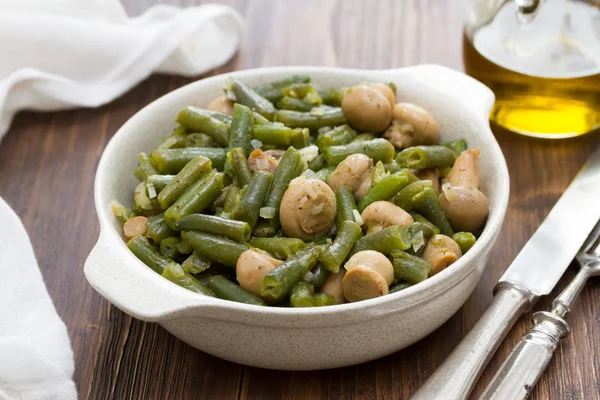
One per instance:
(534, 272)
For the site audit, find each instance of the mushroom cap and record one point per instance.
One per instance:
(440, 252)
(411, 126)
(333, 286)
(221, 104)
(367, 109)
(386, 91)
(373, 260)
(466, 208)
(385, 213)
(351, 172)
(362, 283)
(252, 266)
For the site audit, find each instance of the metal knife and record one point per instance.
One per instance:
(533, 273)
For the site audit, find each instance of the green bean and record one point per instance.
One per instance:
(418, 218)
(148, 254)
(345, 206)
(184, 247)
(227, 290)
(404, 198)
(121, 212)
(465, 240)
(318, 276)
(384, 190)
(315, 119)
(168, 247)
(273, 91)
(231, 229)
(290, 103)
(324, 173)
(198, 120)
(239, 166)
(196, 139)
(217, 249)
(258, 119)
(142, 203)
(420, 233)
(175, 139)
(444, 171)
(339, 135)
(171, 161)
(241, 128)
(303, 91)
(302, 295)
(157, 229)
(248, 208)
(363, 137)
(279, 247)
(290, 166)
(248, 97)
(384, 241)
(175, 273)
(399, 286)
(377, 149)
(196, 198)
(146, 167)
(193, 171)
(231, 198)
(323, 299)
(280, 281)
(428, 203)
(263, 229)
(317, 163)
(421, 157)
(282, 136)
(458, 146)
(159, 182)
(195, 263)
(335, 254)
(332, 96)
(218, 115)
(409, 268)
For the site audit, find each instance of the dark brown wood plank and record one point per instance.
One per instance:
(48, 161)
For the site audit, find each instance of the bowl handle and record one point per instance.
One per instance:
(477, 97)
(134, 288)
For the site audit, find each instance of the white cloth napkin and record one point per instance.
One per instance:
(58, 54)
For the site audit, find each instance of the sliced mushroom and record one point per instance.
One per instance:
(262, 161)
(411, 126)
(333, 286)
(430, 174)
(369, 275)
(440, 252)
(221, 104)
(367, 109)
(355, 173)
(252, 266)
(307, 209)
(381, 214)
(372, 260)
(135, 226)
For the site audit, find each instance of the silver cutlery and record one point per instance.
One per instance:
(534, 273)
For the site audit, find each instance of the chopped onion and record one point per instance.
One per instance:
(309, 153)
(263, 164)
(267, 212)
(298, 180)
(418, 241)
(309, 174)
(317, 209)
(256, 144)
(151, 190)
(357, 217)
(448, 190)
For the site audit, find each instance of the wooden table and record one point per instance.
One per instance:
(47, 165)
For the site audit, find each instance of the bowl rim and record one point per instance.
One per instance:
(432, 287)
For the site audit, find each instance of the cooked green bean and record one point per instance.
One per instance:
(324, 173)
(175, 139)
(324, 299)
(290, 166)
(315, 119)
(404, 198)
(345, 206)
(196, 139)
(421, 157)
(168, 247)
(184, 247)
(386, 240)
(318, 276)
(241, 128)
(363, 137)
(278, 247)
(377, 149)
(227, 290)
(273, 91)
(171, 161)
(142, 203)
(384, 190)
(290, 103)
(303, 91)
(280, 281)
(217, 249)
(339, 135)
(422, 220)
(194, 170)
(239, 166)
(218, 115)
(199, 120)
(263, 229)
(317, 163)
(399, 286)
(332, 96)
(121, 212)
(175, 273)
(157, 229)
(196, 198)
(248, 208)
(409, 268)
(195, 263)
(231, 229)
(258, 119)
(428, 203)
(148, 254)
(159, 182)
(281, 136)
(146, 167)
(458, 146)
(302, 295)
(335, 254)
(231, 198)
(248, 97)
(465, 240)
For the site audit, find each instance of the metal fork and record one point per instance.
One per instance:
(520, 372)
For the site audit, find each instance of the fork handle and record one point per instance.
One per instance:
(518, 375)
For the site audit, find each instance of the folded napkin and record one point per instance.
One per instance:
(59, 54)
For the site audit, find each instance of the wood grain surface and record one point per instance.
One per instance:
(47, 166)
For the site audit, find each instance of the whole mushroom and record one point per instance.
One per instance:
(252, 266)
(307, 209)
(411, 126)
(221, 104)
(333, 286)
(369, 274)
(381, 214)
(440, 252)
(367, 109)
(355, 173)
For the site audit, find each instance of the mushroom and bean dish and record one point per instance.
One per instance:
(287, 194)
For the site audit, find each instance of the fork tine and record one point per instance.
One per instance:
(591, 239)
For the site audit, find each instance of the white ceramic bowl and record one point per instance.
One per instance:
(287, 338)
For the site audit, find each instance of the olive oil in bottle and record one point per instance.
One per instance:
(544, 69)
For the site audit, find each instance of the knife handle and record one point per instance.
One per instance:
(524, 366)
(457, 375)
